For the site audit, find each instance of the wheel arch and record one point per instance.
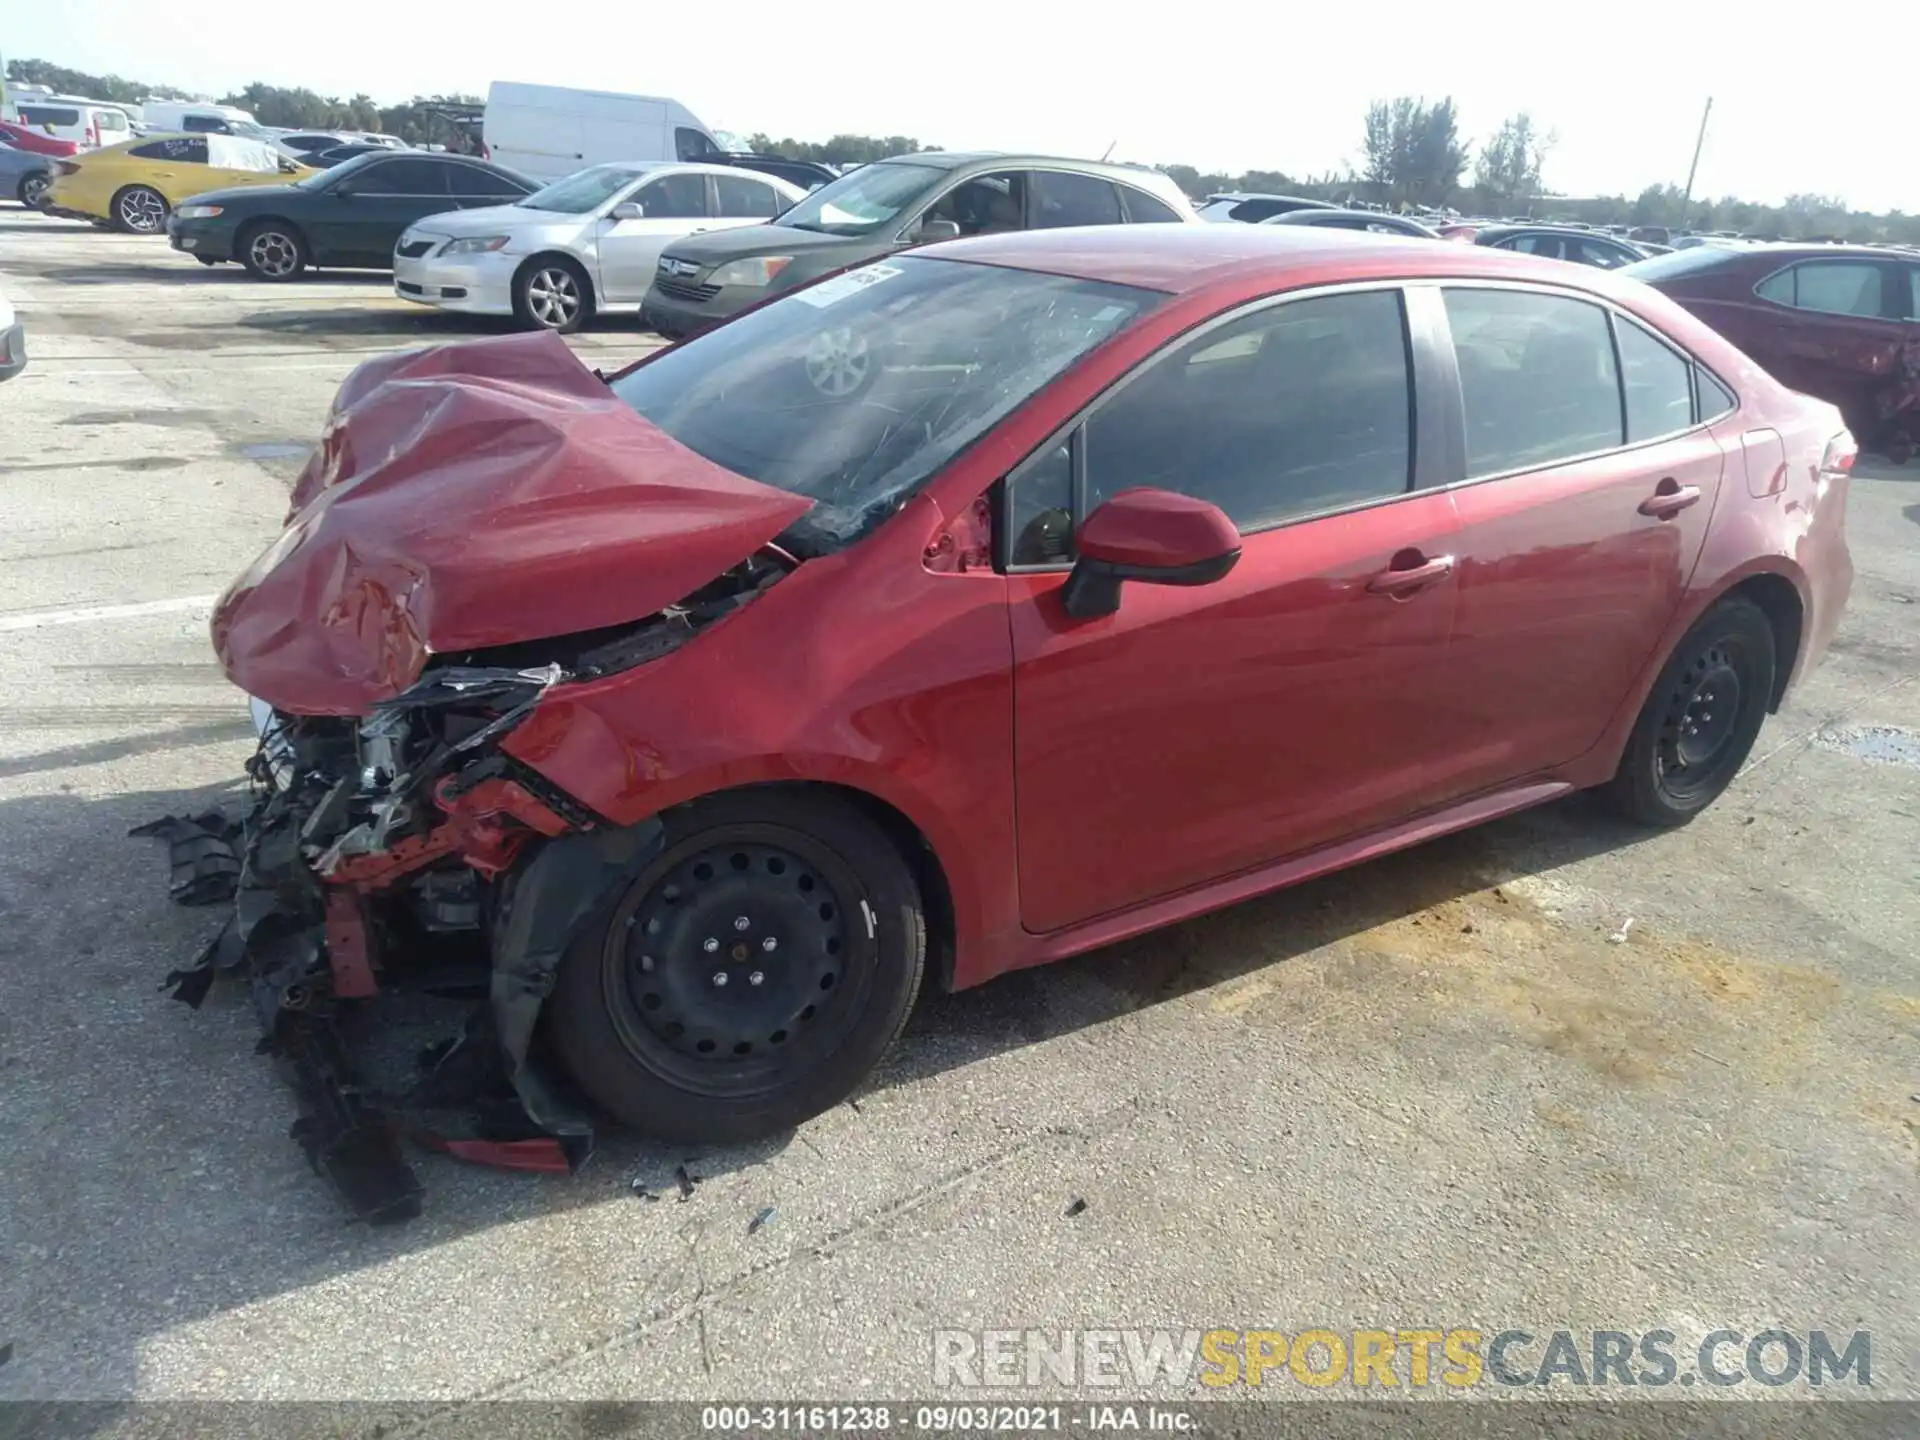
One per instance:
(1786, 611)
(1772, 582)
(584, 270)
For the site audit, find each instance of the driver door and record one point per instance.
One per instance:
(1304, 698)
(628, 250)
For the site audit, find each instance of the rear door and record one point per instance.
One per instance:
(1583, 507)
(1199, 732)
(1832, 328)
(675, 204)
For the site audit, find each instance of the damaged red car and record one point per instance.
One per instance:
(963, 612)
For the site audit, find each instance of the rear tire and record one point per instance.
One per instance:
(140, 210)
(553, 293)
(812, 917)
(32, 189)
(1700, 719)
(272, 250)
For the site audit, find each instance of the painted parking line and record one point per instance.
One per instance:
(40, 619)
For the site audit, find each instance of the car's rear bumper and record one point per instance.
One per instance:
(13, 350)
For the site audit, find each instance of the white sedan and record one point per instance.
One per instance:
(585, 243)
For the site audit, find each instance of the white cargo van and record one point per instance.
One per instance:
(88, 123)
(196, 117)
(547, 131)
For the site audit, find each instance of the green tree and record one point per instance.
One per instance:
(1413, 150)
(1508, 170)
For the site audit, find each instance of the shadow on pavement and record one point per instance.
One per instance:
(146, 1144)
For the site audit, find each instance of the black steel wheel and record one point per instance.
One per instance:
(1701, 718)
(751, 975)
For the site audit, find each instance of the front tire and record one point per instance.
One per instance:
(273, 251)
(1700, 719)
(752, 974)
(552, 293)
(140, 210)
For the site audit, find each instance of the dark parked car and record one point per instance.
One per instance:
(1373, 221)
(1842, 323)
(349, 216)
(1147, 569)
(1582, 247)
(807, 174)
(1249, 208)
(887, 206)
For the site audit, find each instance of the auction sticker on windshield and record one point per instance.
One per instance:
(829, 292)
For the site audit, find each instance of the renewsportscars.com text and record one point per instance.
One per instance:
(1410, 1358)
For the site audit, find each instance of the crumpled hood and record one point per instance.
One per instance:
(476, 494)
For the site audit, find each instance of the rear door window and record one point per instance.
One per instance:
(1537, 378)
(741, 197)
(1144, 209)
(49, 115)
(403, 177)
(1598, 252)
(1831, 287)
(1550, 246)
(471, 182)
(179, 150)
(1060, 199)
(674, 197)
(1658, 382)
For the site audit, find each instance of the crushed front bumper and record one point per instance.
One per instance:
(398, 855)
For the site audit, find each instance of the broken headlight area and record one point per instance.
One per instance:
(402, 854)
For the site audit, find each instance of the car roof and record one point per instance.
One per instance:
(1182, 259)
(1321, 215)
(1546, 227)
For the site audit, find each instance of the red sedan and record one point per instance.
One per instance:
(987, 605)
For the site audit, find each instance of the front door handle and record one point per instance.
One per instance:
(1669, 498)
(1406, 580)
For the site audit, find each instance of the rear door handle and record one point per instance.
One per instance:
(1669, 498)
(1413, 577)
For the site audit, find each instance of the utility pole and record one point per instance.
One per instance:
(1686, 201)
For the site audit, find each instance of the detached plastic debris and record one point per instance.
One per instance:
(201, 853)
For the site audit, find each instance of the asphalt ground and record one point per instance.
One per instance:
(1452, 1088)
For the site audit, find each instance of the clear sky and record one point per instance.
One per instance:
(1214, 83)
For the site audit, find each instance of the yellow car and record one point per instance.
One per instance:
(134, 186)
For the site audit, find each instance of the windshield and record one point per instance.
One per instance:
(855, 391)
(872, 196)
(583, 190)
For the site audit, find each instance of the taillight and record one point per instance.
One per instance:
(67, 167)
(1837, 463)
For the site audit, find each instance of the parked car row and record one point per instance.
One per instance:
(689, 244)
